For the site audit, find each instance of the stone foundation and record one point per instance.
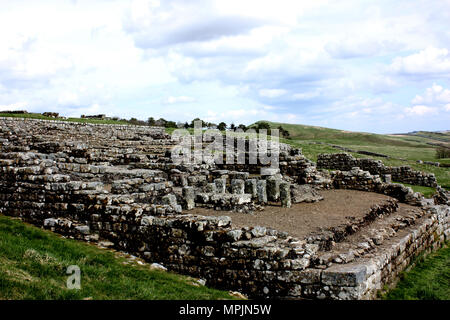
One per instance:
(345, 162)
(116, 184)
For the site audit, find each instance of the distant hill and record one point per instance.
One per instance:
(438, 138)
(335, 136)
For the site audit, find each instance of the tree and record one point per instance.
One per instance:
(442, 153)
(170, 124)
(186, 125)
(243, 127)
(161, 122)
(263, 125)
(232, 126)
(151, 121)
(222, 126)
(133, 121)
(193, 122)
(284, 133)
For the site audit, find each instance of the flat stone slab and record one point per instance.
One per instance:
(349, 275)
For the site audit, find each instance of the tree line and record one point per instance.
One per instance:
(222, 126)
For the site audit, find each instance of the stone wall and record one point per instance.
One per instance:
(255, 260)
(345, 162)
(116, 184)
(357, 179)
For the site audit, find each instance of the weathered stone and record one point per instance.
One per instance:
(251, 188)
(189, 198)
(221, 185)
(210, 188)
(273, 189)
(285, 194)
(349, 275)
(169, 199)
(119, 182)
(237, 186)
(269, 171)
(262, 191)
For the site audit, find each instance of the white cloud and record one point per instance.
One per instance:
(68, 98)
(426, 62)
(180, 99)
(436, 96)
(155, 24)
(420, 110)
(284, 61)
(272, 93)
(307, 95)
(357, 46)
(14, 106)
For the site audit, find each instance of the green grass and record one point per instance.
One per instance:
(429, 279)
(428, 192)
(33, 265)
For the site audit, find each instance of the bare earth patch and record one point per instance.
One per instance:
(302, 219)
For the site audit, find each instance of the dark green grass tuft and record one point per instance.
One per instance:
(33, 265)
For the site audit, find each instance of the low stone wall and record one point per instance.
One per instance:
(364, 278)
(345, 162)
(357, 179)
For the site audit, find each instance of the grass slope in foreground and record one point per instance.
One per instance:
(429, 279)
(33, 265)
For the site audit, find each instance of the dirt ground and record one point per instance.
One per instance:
(304, 218)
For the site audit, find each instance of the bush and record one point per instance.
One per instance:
(442, 153)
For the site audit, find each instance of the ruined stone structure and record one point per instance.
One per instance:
(345, 162)
(118, 185)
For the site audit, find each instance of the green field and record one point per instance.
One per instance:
(429, 279)
(33, 265)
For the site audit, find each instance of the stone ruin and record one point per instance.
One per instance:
(118, 186)
(345, 161)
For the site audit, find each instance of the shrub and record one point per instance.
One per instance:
(442, 153)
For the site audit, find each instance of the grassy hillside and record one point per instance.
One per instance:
(33, 265)
(408, 148)
(340, 137)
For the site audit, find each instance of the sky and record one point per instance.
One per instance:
(372, 66)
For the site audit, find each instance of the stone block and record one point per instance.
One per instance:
(237, 186)
(210, 188)
(348, 275)
(262, 191)
(250, 187)
(269, 171)
(285, 194)
(273, 189)
(221, 185)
